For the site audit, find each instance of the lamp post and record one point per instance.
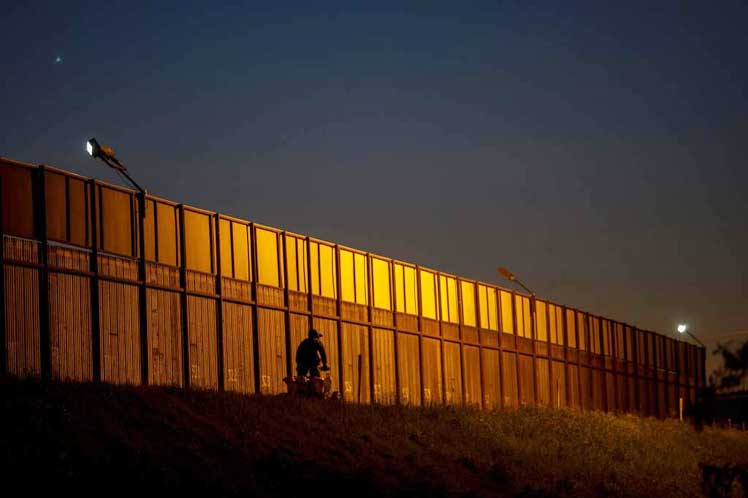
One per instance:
(683, 329)
(510, 276)
(533, 319)
(107, 155)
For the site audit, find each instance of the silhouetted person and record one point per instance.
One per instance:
(309, 355)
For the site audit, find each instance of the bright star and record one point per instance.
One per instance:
(58, 60)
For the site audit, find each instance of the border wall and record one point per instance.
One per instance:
(93, 291)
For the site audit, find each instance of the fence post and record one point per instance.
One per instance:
(183, 300)
(142, 295)
(370, 314)
(41, 227)
(216, 247)
(395, 336)
(3, 343)
(256, 309)
(341, 335)
(287, 301)
(94, 268)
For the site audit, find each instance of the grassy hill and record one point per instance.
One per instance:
(114, 440)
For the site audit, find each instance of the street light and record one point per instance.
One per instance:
(683, 329)
(108, 156)
(510, 276)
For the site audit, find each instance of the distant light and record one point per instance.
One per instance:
(58, 60)
(682, 327)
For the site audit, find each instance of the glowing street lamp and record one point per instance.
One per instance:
(683, 329)
(107, 155)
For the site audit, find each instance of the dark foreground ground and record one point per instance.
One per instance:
(107, 440)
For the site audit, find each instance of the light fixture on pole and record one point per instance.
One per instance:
(107, 155)
(510, 276)
(683, 329)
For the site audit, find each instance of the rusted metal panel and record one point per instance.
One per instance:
(524, 345)
(354, 312)
(672, 401)
(489, 338)
(164, 338)
(298, 301)
(235, 289)
(470, 335)
(573, 380)
(526, 382)
(631, 393)
(68, 258)
(330, 338)
(432, 371)
(203, 342)
(324, 306)
(661, 400)
(381, 318)
(584, 358)
(508, 342)
(22, 321)
(70, 327)
(204, 283)
(66, 214)
(21, 250)
(652, 397)
(557, 352)
(509, 388)
(621, 394)
(544, 384)
(452, 374)
(643, 397)
(409, 369)
(429, 327)
(610, 392)
(558, 388)
(18, 199)
(114, 220)
(541, 348)
(491, 379)
(269, 296)
(119, 327)
(572, 355)
(585, 393)
(162, 275)
(450, 331)
(471, 364)
(355, 363)
(118, 267)
(407, 322)
(598, 388)
(383, 343)
(272, 350)
(238, 354)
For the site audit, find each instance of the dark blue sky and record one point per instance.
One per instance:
(597, 151)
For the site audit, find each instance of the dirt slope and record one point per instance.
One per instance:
(94, 438)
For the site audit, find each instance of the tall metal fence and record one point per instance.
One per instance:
(212, 301)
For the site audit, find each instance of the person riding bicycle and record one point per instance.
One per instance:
(309, 354)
